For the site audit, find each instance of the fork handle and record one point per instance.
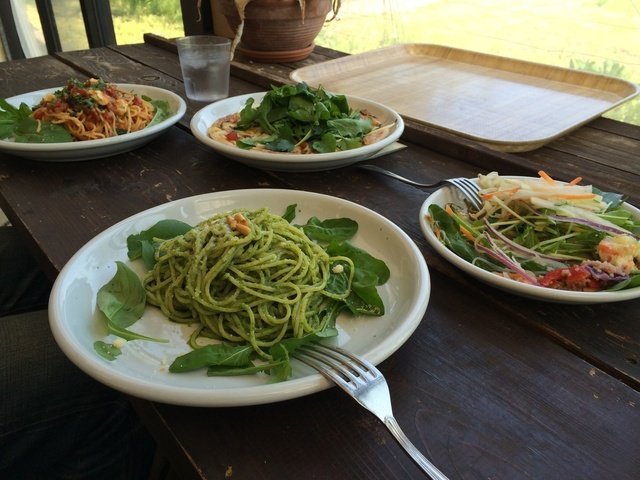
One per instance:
(413, 452)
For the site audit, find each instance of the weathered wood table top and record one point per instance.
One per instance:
(489, 386)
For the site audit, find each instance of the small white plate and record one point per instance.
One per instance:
(103, 147)
(451, 195)
(141, 370)
(203, 119)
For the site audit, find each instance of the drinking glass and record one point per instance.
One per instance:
(204, 60)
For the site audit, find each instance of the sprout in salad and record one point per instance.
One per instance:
(547, 233)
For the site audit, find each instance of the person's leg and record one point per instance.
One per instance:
(55, 421)
(23, 286)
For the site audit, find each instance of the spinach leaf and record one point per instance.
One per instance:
(330, 230)
(163, 111)
(338, 282)
(224, 371)
(365, 300)
(453, 239)
(106, 350)
(294, 114)
(18, 124)
(248, 114)
(369, 273)
(350, 127)
(290, 212)
(26, 131)
(280, 368)
(9, 115)
(221, 354)
(144, 244)
(326, 144)
(614, 200)
(631, 282)
(224, 360)
(280, 145)
(122, 300)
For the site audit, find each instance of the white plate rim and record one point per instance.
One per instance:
(290, 161)
(101, 370)
(443, 195)
(101, 143)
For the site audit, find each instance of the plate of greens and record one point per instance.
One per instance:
(152, 345)
(297, 128)
(23, 136)
(540, 238)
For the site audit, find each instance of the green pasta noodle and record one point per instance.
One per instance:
(247, 277)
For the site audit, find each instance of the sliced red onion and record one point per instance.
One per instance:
(498, 255)
(605, 276)
(552, 260)
(594, 225)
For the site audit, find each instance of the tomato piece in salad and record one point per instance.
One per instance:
(576, 277)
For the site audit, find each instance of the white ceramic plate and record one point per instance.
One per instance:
(141, 370)
(90, 149)
(203, 119)
(449, 194)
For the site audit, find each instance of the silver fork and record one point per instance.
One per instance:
(469, 189)
(364, 382)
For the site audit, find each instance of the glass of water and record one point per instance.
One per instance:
(204, 60)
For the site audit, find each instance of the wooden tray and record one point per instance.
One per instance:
(508, 105)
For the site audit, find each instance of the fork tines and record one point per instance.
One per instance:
(469, 189)
(340, 366)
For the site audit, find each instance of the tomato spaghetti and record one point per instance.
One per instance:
(94, 109)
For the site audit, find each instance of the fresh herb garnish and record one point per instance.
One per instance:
(162, 112)
(107, 351)
(145, 243)
(123, 300)
(17, 123)
(293, 114)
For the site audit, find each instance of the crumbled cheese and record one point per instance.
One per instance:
(338, 268)
(119, 343)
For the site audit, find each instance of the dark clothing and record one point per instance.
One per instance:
(55, 421)
(23, 286)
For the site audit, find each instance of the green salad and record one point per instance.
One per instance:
(542, 232)
(299, 119)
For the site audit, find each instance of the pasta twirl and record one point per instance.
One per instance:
(94, 109)
(247, 277)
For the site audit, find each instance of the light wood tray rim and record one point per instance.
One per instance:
(573, 97)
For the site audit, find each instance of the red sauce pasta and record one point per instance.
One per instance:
(94, 109)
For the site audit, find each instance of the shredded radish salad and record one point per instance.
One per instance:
(543, 232)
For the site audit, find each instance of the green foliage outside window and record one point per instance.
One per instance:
(592, 35)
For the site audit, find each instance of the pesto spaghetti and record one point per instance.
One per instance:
(248, 277)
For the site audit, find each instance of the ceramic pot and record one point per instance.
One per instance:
(274, 30)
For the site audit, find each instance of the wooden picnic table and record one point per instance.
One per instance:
(490, 385)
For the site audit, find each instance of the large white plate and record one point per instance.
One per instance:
(449, 194)
(141, 370)
(203, 119)
(90, 149)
